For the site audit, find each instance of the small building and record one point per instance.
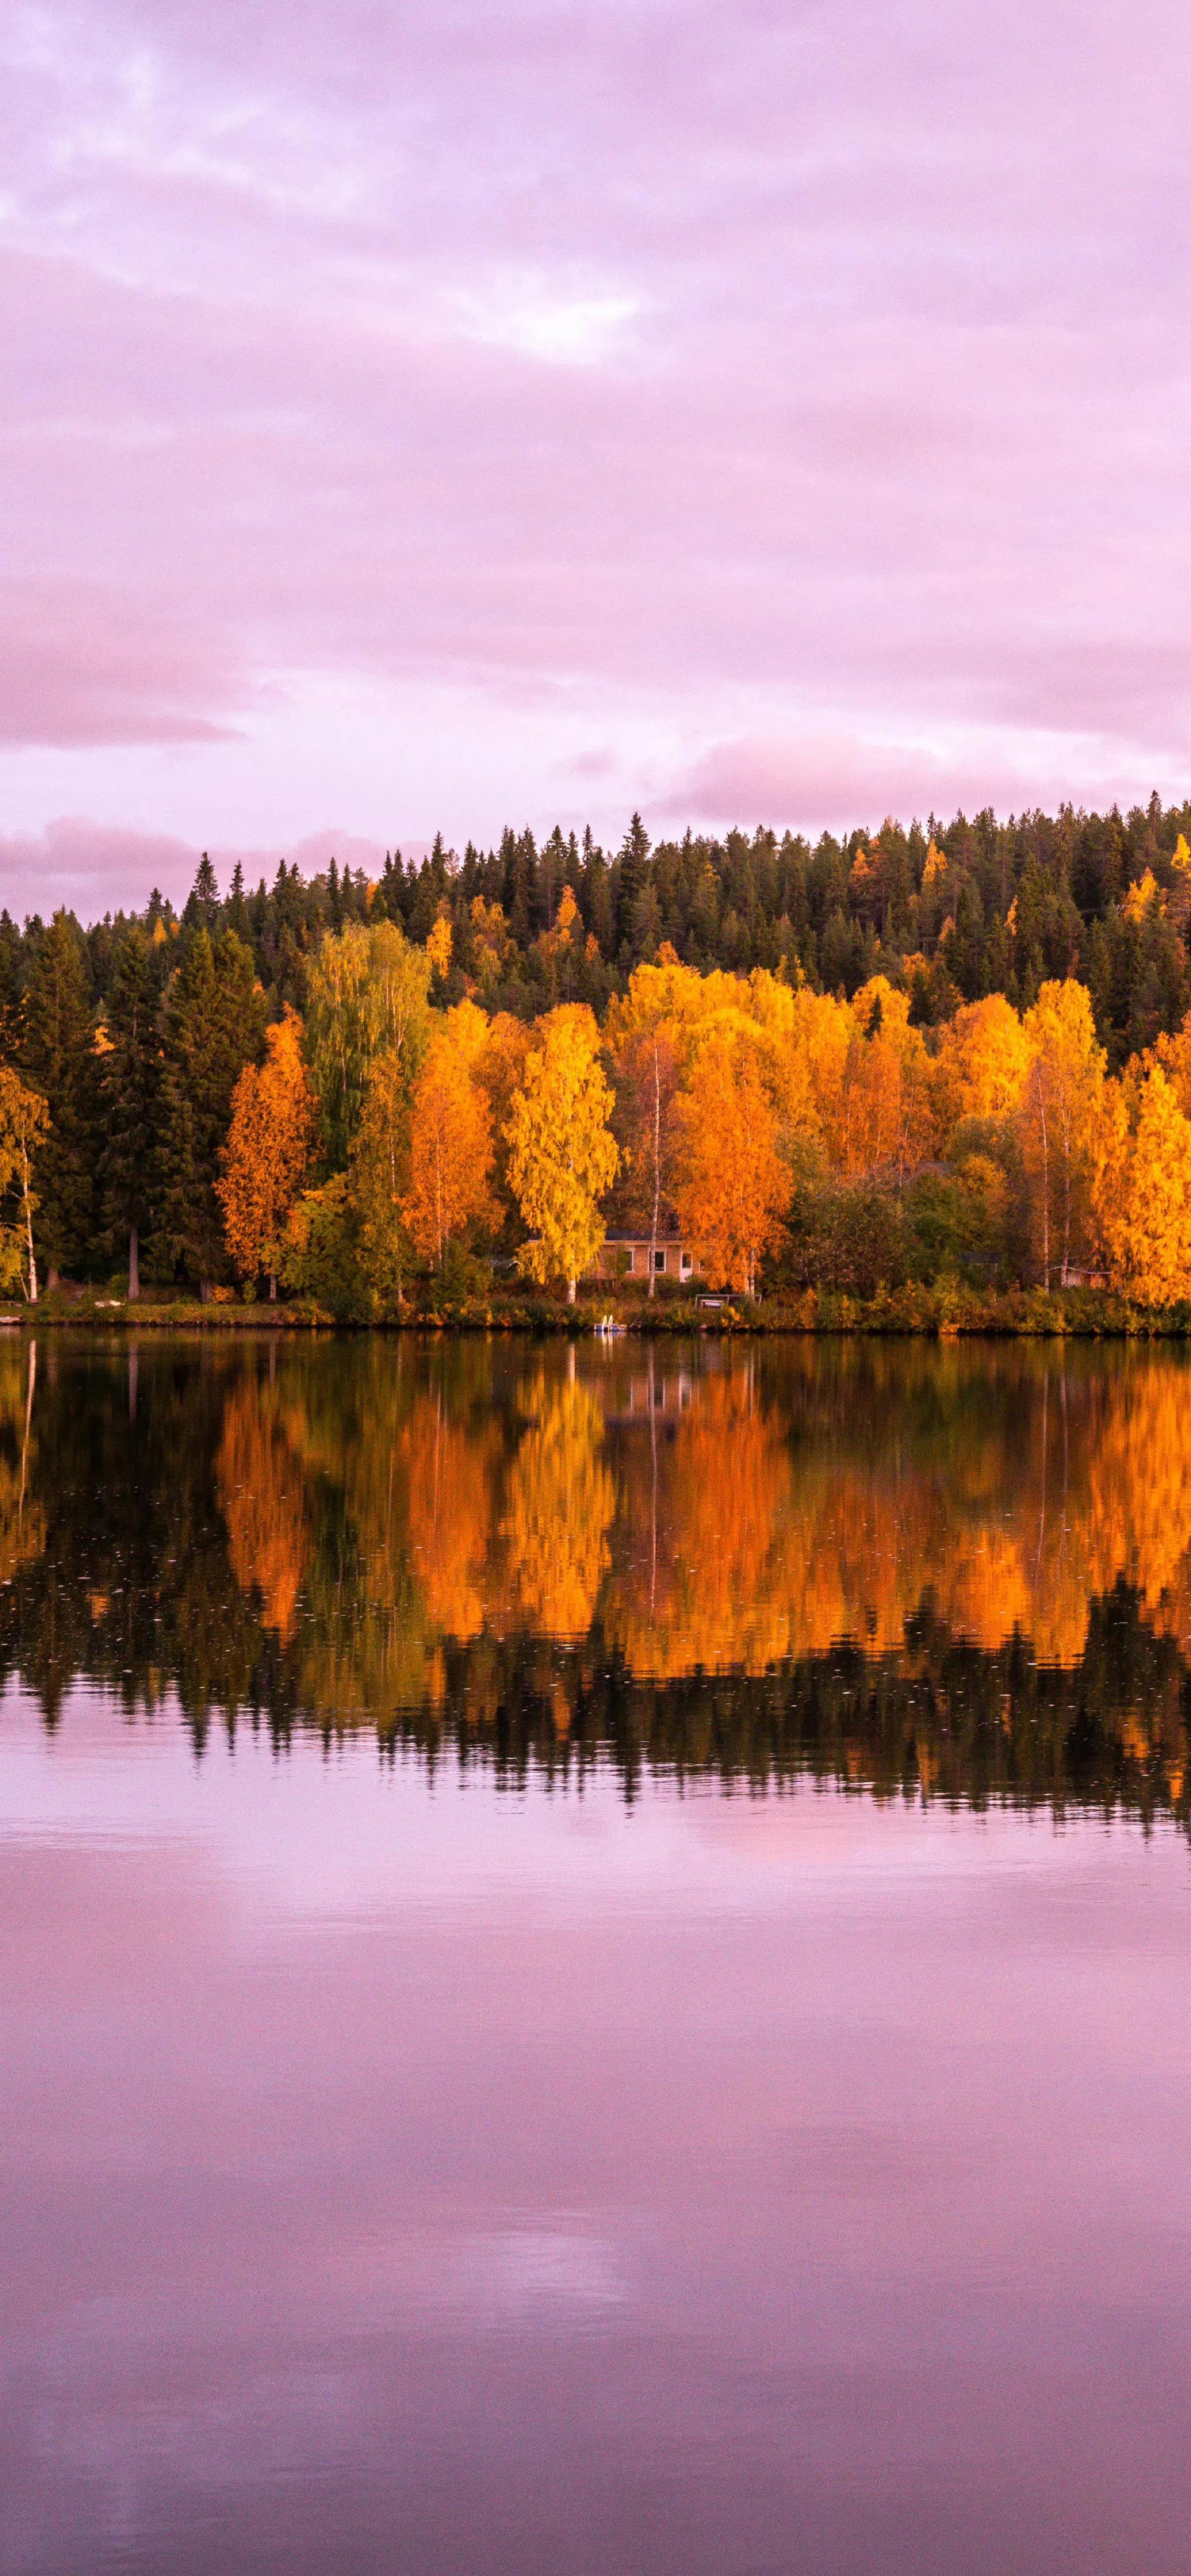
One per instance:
(628, 1256)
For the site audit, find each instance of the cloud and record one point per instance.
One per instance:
(733, 373)
(83, 663)
(89, 866)
(540, 321)
(93, 867)
(837, 782)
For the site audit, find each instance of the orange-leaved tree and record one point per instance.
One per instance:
(1143, 1192)
(647, 1079)
(450, 1148)
(562, 1155)
(267, 1152)
(982, 1062)
(882, 1115)
(734, 1188)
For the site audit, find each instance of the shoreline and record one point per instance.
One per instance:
(943, 1313)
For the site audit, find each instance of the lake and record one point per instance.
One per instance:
(596, 1957)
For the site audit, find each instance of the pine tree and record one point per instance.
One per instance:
(130, 1086)
(58, 1055)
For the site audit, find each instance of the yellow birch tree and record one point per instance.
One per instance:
(24, 1121)
(1144, 1194)
(1060, 1117)
(562, 1155)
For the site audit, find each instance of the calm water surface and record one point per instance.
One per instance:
(595, 1959)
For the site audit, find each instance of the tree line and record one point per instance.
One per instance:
(340, 1087)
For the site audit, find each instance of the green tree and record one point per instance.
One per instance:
(213, 1026)
(368, 996)
(58, 1055)
(130, 1086)
(631, 879)
(379, 1182)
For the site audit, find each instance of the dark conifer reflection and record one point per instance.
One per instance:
(959, 1571)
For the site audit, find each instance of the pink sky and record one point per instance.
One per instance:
(439, 415)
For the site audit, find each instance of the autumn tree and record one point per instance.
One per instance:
(438, 948)
(450, 1150)
(1060, 1122)
(267, 1153)
(881, 1116)
(1173, 1053)
(24, 1129)
(1143, 1192)
(647, 1086)
(500, 1071)
(650, 1036)
(734, 1189)
(982, 1062)
(562, 1155)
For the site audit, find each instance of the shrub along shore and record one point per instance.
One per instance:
(942, 1312)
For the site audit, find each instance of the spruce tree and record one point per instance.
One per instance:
(213, 1026)
(236, 912)
(631, 866)
(11, 996)
(59, 1059)
(130, 1082)
(201, 909)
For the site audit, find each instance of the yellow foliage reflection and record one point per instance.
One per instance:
(559, 1503)
(725, 1514)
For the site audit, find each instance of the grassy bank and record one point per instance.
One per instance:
(942, 1311)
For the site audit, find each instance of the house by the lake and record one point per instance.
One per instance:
(630, 1256)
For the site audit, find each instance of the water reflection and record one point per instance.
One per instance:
(959, 1571)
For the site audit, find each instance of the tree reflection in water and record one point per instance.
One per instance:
(956, 1571)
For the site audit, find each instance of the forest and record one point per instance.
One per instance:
(956, 1052)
